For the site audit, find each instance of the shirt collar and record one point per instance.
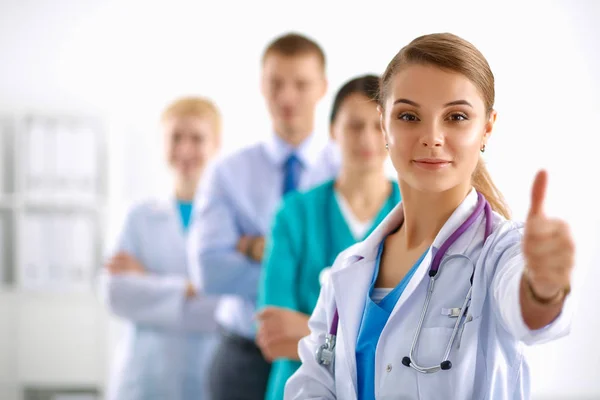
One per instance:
(278, 150)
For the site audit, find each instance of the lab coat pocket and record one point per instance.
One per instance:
(466, 378)
(430, 352)
(467, 356)
(466, 330)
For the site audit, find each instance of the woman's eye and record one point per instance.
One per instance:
(408, 117)
(458, 117)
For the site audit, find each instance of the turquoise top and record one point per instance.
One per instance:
(185, 211)
(308, 233)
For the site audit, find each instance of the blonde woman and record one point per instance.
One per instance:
(171, 332)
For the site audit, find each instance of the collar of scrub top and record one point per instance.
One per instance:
(368, 248)
(308, 152)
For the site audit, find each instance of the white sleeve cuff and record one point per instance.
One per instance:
(507, 284)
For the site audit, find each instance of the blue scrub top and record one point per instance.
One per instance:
(185, 211)
(374, 318)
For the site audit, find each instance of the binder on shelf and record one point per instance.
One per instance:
(39, 148)
(86, 178)
(55, 250)
(58, 251)
(85, 252)
(64, 168)
(61, 161)
(32, 271)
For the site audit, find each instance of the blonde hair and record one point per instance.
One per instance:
(452, 53)
(194, 107)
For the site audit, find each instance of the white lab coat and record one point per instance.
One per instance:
(169, 340)
(488, 363)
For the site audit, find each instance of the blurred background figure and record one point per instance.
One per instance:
(311, 228)
(171, 333)
(237, 202)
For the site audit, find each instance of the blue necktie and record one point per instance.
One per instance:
(292, 170)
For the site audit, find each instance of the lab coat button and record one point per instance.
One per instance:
(389, 368)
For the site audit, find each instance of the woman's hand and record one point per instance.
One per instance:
(549, 251)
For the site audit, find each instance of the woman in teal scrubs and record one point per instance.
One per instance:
(311, 228)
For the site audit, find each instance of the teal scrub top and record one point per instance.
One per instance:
(185, 211)
(307, 234)
(374, 319)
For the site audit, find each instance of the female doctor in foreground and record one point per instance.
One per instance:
(439, 301)
(171, 331)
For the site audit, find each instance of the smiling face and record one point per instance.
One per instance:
(435, 123)
(190, 143)
(191, 129)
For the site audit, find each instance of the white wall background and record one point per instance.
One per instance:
(123, 60)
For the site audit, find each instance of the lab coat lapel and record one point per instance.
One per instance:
(351, 286)
(166, 207)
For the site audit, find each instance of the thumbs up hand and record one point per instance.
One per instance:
(548, 248)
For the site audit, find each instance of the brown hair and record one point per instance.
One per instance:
(367, 85)
(294, 44)
(194, 107)
(452, 53)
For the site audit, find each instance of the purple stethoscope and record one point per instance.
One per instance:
(326, 352)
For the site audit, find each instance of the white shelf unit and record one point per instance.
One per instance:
(53, 197)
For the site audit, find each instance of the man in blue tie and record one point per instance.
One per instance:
(238, 199)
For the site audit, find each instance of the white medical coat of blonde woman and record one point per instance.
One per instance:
(168, 339)
(487, 360)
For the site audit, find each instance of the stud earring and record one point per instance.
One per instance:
(387, 146)
(482, 149)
